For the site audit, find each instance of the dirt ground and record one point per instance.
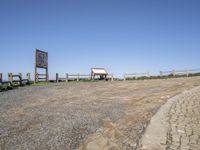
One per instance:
(90, 115)
(176, 126)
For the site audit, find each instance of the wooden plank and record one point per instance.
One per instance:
(41, 74)
(41, 78)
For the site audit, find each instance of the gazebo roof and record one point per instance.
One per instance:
(99, 71)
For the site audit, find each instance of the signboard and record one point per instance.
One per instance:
(41, 59)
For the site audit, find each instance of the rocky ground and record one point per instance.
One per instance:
(176, 126)
(93, 115)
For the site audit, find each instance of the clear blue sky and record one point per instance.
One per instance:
(120, 35)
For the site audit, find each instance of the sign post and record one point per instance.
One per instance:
(41, 61)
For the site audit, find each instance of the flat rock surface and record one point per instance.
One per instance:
(92, 115)
(176, 126)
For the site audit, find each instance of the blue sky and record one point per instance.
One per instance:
(123, 36)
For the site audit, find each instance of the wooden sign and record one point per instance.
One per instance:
(41, 61)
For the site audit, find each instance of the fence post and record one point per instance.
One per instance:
(36, 77)
(136, 76)
(20, 78)
(10, 78)
(174, 73)
(28, 77)
(148, 74)
(57, 79)
(112, 78)
(187, 73)
(1, 78)
(77, 77)
(67, 77)
(124, 77)
(161, 73)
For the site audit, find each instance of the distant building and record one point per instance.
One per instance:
(101, 72)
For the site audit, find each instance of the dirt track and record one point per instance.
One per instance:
(96, 115)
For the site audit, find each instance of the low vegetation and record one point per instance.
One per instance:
(162, 77)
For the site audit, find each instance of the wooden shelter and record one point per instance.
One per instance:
(99, 72)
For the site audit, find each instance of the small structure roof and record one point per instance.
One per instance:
(99, 71)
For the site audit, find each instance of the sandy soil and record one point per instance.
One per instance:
(93, 115)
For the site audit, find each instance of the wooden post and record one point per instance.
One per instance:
(112, 78)
(136, 76)
(161, 73)
(20, 78)
(187, 73)
(35, 69)
(67, 77)
(77, 77)
(89, 78)
(148, 74)
(174, 73)
(10, 78)
(20, 75)
(47, 71)
(124, 77)
(28, 77)
(57, 77)
(37, 76)
(1, 78)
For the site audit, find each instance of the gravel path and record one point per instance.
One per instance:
(177, 125)
(98, 115)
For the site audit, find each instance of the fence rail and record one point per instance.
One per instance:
(78, 77)
(186, 72)
(179, 72)
(15, 79)
(136, 75)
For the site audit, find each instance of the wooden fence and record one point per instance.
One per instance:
(15, 79)
(78, 77)
(185, 72)
(174, 73)
(72, 77)
(136, 75)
